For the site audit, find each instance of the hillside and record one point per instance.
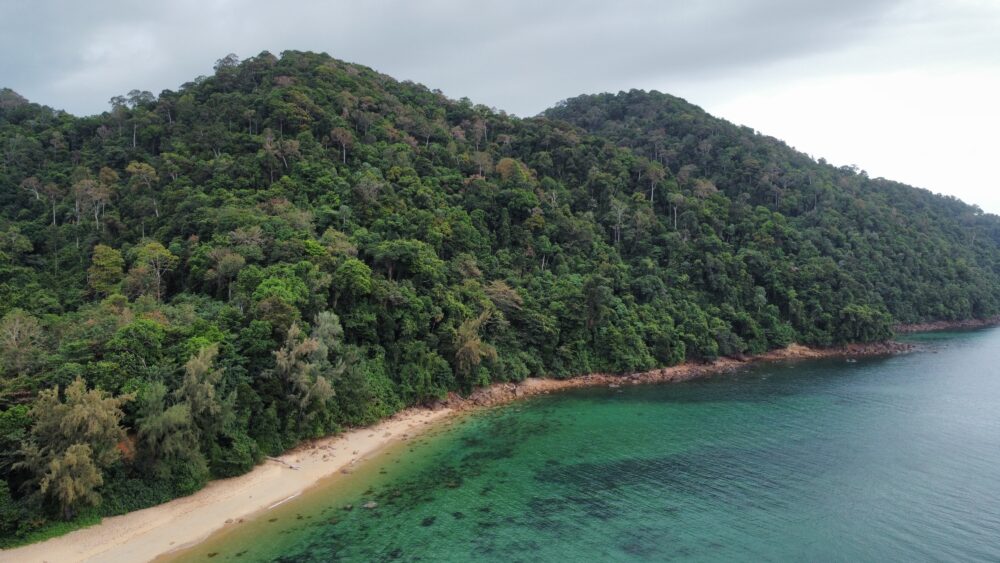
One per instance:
(920, 255)
(298, 244)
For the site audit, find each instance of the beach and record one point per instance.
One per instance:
(146, 534)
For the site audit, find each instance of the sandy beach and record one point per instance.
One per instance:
(145, 534)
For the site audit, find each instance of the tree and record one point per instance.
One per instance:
(368, 188)
(200, 392)
(84, 192)
(619, 208)
(71, 442)
(513, 171)
(864, 323)
(106, 270)
(138, 98)
(275, 149)
(32, 185)
(483, 162)
(411, 256)
(704, 188)
(153, 261)
(656, 174)
(144, 179)
(227, 63)
(352, 279)
(226, 264)
(11, 514)
(137, 346)
(299, 365)
(470, 350)
(71, 478)
(676, 201)
(53, 193)
(92, 417)
(506, 298)
(168, 439)
(20, 342)
(13, 243)
(345, 139)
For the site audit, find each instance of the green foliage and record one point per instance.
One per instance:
(168, 439)
(470, 350)
(862, 323)
(71, 479)
(21, 336)
(88, 417)
(106, 270)
(10, 512)
(297, 244)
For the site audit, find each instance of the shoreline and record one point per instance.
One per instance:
(946, 325)
(149, 533)
(501, 393)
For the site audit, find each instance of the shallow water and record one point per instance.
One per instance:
(888, 459)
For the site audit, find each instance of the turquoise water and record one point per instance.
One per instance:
(889, 459)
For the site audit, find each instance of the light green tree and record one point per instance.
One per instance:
(299, 366)
(106, 270)
(20, 342)
(72, 479)
(72, 441)
(200, 391)
(470, 350)
(152, 261)
(144, 178)
(168, 439)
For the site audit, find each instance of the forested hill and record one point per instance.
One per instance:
(193, 280)
(924, 256)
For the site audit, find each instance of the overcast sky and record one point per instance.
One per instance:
(905, 89)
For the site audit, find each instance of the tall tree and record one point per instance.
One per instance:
(470, 350)
(144, 179)
(106, 270)
(152, 260)
(200, 390)
(21, 338)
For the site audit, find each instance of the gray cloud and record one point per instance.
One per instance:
(873, 82)
(516, 55)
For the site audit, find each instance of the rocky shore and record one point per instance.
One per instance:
(947, 325)
(500, 393)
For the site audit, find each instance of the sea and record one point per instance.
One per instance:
(891, 458)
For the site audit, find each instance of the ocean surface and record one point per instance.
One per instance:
(882, 459)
